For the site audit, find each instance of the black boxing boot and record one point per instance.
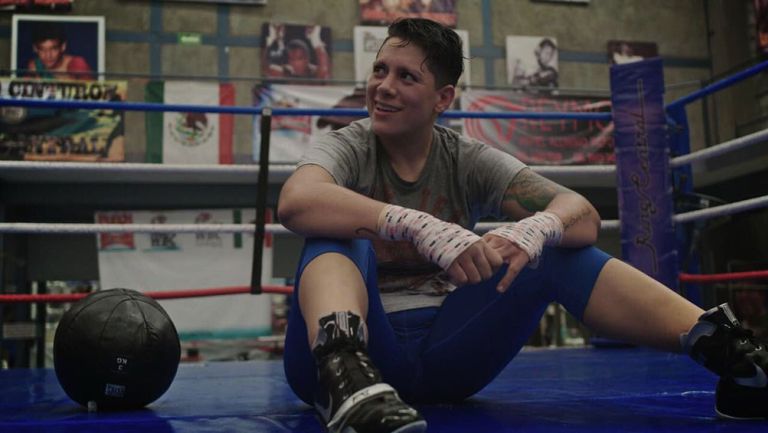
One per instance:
(721, 344)
(352, 397)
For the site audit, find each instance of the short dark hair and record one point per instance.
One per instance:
(45, 31)
(546, 42)
(297, 44)
(442, 46)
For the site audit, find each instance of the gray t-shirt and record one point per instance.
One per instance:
(462, 181)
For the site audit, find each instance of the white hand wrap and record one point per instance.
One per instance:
(532, 233)
(439, 241)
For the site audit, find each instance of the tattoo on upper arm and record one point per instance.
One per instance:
(532, 191)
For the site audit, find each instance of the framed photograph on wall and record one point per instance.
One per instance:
(532, 61)
(296, 51)
(620, 52)
(761, 26)
(59, 47)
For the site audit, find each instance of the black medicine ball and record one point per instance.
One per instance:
(117, 348)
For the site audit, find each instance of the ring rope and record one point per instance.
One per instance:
(277, 111)
(174, 294)
(77, 228)
(286, 290)
(146, 168)
(74, 228)
(722, 210)
(719, 149)
(716, 278)
(246, 171)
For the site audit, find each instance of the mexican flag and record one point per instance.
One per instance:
(189, 138)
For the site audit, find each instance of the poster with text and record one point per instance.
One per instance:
(185, 261)
(61, 134)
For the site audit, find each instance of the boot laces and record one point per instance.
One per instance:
(355, 371)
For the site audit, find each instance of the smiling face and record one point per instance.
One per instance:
(401, 96)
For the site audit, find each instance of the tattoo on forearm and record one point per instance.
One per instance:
(363, 231)
(532, 192)
(575, 218)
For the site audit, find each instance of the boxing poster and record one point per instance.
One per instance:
(368, 39)
(292, 135)
(61, 134)
(537, 141)
(620, 52)
(761, 26)
(184, 261)
(57, 47)
(296, 52)
(387, 11)
(532, 61)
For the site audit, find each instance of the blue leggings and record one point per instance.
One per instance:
(447, 353)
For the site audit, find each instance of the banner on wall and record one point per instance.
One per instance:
(58, 134)
(368, 39)
(189, 138)
(291, 135)
(36, 5)
(183, 261)
(538, 141)
(387, 11)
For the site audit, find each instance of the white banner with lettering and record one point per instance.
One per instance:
(183, 261)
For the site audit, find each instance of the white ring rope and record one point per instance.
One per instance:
(75, 228)
(144, 168)
(246, 171)
(722, 210)
(70, 228)
(719, 149)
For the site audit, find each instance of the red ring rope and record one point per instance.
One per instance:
(715, 278)
(176, 294)
(196, 293)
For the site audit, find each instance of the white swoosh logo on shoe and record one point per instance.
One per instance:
(325, 412)
(759, 380)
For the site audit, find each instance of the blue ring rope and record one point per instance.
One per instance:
(719, 85)
(348, 112)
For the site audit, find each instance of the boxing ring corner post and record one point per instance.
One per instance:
(682, 175)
